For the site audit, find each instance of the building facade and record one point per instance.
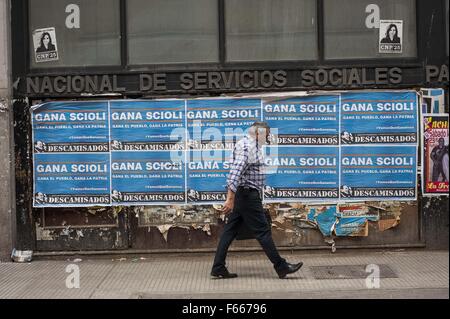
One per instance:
(128, 49)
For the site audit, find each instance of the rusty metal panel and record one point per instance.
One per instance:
(78, 217)
(81, 229)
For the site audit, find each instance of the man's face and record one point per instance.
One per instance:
(263, 135)
(441, 142)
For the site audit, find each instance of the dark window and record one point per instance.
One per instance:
(352, 30)
(172, 31)
(270, 30)
(82, 33)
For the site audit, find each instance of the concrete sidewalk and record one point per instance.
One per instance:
(407, 274)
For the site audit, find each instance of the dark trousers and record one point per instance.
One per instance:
(248, 209)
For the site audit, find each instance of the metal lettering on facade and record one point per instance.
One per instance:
(178, 82)
(437, 73)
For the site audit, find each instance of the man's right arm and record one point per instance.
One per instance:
(237, 168)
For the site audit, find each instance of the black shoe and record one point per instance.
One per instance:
(289, 269)
(223, 274)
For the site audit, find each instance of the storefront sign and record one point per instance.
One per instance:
(225, 81)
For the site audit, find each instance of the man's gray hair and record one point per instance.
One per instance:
(257, 125)
(260, 124)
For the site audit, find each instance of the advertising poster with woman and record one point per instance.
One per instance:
(435, 154)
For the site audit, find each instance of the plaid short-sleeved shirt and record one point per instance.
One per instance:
(247, 166)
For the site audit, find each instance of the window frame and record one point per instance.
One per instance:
(70, 69)
(282, 62)
(375, 61)
(222, 64)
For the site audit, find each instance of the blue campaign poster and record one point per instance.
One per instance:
(302, 173)
(70, 127)
(207, 172)
(153, 177)
(378, 172)
(218, 123)
(379, 117)
(67, 180)
(177, 151)
(307, 120)
(147, 125)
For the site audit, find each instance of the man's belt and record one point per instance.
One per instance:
(247, 188)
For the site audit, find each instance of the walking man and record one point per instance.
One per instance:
(243, 204)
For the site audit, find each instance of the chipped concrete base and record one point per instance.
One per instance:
(184, 216)
(291, 220)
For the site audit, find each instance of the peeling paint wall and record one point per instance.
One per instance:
(293, 224)
(7, 198)
(187, 216)
(96, 228)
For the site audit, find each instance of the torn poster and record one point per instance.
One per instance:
(325, 218)
(433, 101)
(357, 210)
(352, 226)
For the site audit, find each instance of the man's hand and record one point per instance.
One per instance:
(228, 206)
(229, 203)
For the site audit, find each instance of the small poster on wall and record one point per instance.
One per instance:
(45, 45)
(433, 101)
(391, 36)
